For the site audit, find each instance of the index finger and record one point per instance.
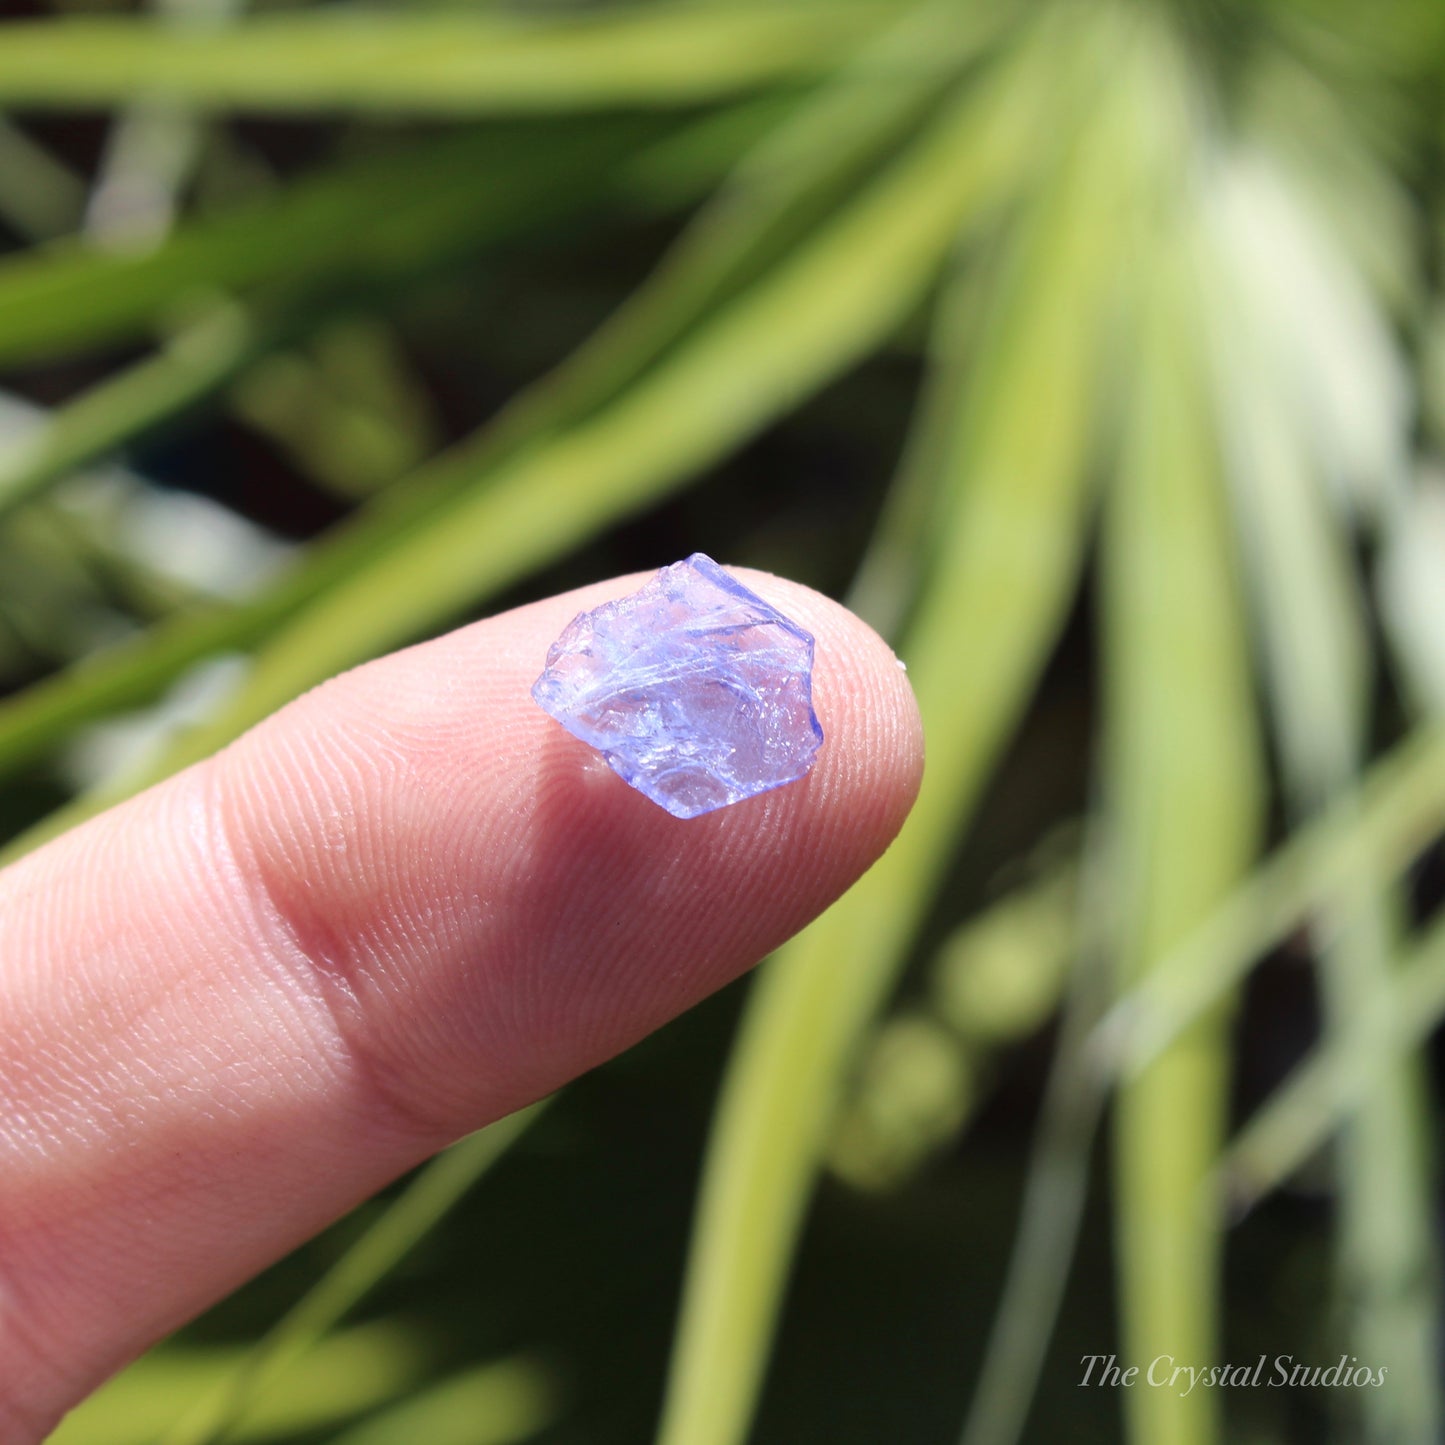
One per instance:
(405, 905)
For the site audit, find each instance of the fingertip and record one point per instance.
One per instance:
(502, 906)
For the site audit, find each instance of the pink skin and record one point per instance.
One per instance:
(405, 905)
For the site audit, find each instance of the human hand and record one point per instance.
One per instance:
(405, 905)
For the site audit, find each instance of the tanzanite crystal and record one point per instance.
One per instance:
(695, 690)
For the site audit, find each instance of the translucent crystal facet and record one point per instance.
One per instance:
(694, 689)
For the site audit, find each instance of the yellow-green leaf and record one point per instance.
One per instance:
(1006, 570)
(437, 63)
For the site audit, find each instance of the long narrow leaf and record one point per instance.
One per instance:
(501, 1403)
(455, 64)
(1006, 573)
(1048, 1226)
(894, 568)
(1185, 786)
(351, 1372)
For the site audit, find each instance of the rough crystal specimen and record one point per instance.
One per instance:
(694, 689)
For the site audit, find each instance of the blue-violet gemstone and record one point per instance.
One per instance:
(694, 689)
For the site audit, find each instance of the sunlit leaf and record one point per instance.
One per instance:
(1185, 785)
(351, 1372)
(457, 64)
(1004, 577)
(496, 1404)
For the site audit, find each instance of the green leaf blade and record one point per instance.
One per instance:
(428, 64)
(1001, 588)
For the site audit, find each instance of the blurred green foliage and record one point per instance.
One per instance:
(1092, 352)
